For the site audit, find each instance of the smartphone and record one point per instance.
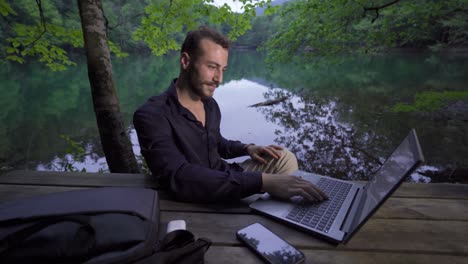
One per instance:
(269, 246)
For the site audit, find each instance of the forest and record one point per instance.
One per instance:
(50, 31)
(50, 34)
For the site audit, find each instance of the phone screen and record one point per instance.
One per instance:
(270, 246)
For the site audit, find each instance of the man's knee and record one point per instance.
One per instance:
(287, 163)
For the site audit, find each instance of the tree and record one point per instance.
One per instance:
(114, 139)
(324, 27)
(38, 36)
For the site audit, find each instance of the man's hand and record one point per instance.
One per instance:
(287, 186)
(256, 152)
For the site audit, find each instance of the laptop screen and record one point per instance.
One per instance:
(402, 162)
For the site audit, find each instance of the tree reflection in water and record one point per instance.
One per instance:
(322, 144)
(275, 253)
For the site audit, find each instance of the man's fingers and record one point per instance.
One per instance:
(258, 158)
(286, 186)
(312, 190)
(322, 193)
(276, 147)
(303, 194)
(273, 152)
(317, 190)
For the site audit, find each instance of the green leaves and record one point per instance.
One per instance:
(15, 58)
(35, 41)
(28, 36)
(431, 101)
(76, 151)
(333, 26)
(116, 50)
(162, 26)
(165, 20)
(5, 9)
(73, 146)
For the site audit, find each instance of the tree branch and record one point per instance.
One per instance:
(377, 8)
(382, 6)
(353, 146)
(43, 24)
(41, 13)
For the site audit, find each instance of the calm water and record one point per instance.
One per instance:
(337, 117)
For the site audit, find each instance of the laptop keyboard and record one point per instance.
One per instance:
(321, 215)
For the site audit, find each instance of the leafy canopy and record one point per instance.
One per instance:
(35, 29)
(47, 30)
(332, 26)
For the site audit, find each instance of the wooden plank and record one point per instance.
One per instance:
(433, 190)
(234, 255)
(427, 209)
(383, 239)
(77, 179)
(238, 208)
(11, 192)
(396, 208)
(379, 235)
(412, 236)
(403, 208)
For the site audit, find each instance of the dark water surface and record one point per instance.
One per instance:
(337, 117)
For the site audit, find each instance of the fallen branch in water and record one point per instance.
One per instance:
(270, 102)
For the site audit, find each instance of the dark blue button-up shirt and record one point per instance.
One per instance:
(189, 157)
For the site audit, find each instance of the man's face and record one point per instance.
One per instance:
(206, 71)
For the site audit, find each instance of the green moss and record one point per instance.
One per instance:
(430, 101)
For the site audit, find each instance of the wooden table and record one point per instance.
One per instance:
(420, 223)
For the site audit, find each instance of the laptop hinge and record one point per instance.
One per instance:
(352, 212)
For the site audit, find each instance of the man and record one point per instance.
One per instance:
(179, 135)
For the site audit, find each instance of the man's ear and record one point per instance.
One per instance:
(184, 60)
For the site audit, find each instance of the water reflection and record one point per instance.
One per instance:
(337, 118)
(239, 121)
(269, 245)
(402, 160)
(310, 127)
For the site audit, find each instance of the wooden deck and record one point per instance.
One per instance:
(420, 223)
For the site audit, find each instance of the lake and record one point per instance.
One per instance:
(341, 116)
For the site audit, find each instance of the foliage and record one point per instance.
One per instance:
(5, 9)
(39, 105)
(37, 31)
(163, 21)
(314, 26)
(49, 30)
(431, 101)
(74, 148)
(324, 27)
(263, 27)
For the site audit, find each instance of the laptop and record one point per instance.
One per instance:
(350, 204)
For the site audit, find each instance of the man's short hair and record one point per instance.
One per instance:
(191, 43)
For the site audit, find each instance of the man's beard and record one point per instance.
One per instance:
(196, 85)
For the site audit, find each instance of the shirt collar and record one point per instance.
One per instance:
(172, 92)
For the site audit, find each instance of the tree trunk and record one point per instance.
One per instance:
(114, 138)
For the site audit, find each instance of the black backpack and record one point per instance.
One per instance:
(102, 226)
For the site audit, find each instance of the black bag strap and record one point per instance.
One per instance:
(176, 239)
(180, 247)
(15, 239)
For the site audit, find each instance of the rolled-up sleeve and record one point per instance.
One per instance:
(189, 181)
